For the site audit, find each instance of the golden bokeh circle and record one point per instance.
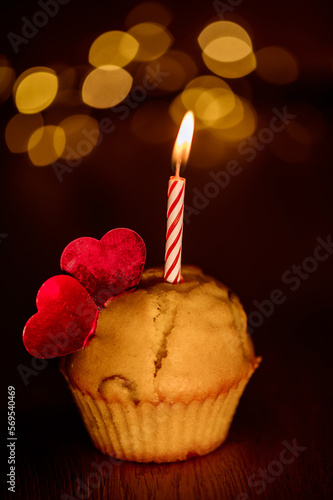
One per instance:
(35, 89)
(106, 86)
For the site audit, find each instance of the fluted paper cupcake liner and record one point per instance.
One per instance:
(160, 432)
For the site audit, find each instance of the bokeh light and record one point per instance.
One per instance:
(277, 65)
(233, 117)
(114, 47)
(19, 130)
(214, 34)
(149, 11)
(46, 145)
(209, 97)
(242, 124)
(208, 82)
(7, 78)
(234, 69)
(213, 105)
(154, 40)
(227, 49)
(148, 128)
(82, 134)
(214, 145)
(35, 89)
(106, 86)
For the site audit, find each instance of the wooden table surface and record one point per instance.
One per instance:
(287, 400)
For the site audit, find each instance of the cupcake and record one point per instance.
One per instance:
(161, 378)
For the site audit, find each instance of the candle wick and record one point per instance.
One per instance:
(178, 164)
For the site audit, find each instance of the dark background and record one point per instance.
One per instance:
(263, 223)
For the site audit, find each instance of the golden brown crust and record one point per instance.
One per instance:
(164, 342)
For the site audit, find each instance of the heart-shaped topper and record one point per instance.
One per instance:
(65, 321)
(107, 267)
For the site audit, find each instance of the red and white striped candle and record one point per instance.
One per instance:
(176, 193)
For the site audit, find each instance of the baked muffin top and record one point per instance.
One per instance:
(165, 342)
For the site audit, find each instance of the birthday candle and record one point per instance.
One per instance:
(175, 209)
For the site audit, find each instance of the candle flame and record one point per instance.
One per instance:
(182, 147)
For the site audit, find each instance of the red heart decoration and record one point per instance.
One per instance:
(107, 267)
(65, 321)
